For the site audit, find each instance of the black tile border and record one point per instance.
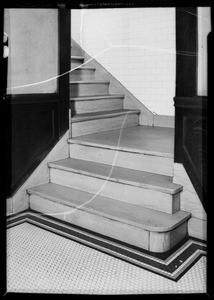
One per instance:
(186, 253)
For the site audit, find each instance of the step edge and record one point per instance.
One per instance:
(121, 181)
(89, 98)
(85, 68)
(161, 229)
(89, 82)
(77, 57)
(105, 115)
(122, 149)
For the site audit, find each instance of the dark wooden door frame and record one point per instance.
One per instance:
(36, 106)
(190, 108)
(64, 65)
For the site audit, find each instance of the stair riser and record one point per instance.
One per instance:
(136, 161)
(127, 193)
(76, 51)
(161, 242)
(100, 125)
(88, 89)
(96, 105)
(152, 241)
(82, 75)
(76, 63)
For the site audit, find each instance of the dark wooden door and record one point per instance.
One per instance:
(36, 122)
(190, 109)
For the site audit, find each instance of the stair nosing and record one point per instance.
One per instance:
(165, 190)
(77, 57)
(122, 149)
(97, 97)
(85, 68)
(82, 207)
(104, 115)
(89, 82)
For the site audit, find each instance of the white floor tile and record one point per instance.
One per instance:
(39, 261)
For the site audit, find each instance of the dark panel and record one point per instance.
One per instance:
(186, 47)
(4, 153)
(35, 122)
(190, 110)
(80, 4)
(199, 102)
(191, 142)
(32, 98)
(64, 61)
(34, 132)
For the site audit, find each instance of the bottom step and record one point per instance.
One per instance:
(145, 228)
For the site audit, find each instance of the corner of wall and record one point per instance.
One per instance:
(189, 201)
(20, 200)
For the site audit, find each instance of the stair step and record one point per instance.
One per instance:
(82, 124)
(136, 187)
(94, 103)
(98, 97)
(143, 148)
(122, 157)
(98, 104)
(83, 73)
(87, 88)
(140, 179)
(77, 57)
(103, 115)
(145, 228)
(76, 61)
(158, 141)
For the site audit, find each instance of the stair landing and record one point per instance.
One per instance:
(139, 139)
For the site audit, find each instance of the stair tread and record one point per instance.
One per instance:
(93, 97)
(102, 114)
(145, 218)
(137, 178)
(156, 141)
(85, 68)
(88, 81)
(77, 57)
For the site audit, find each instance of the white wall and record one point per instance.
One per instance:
(141, 49)
(204, 27)
(33, 46)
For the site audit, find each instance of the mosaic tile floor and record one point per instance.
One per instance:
(39, 261)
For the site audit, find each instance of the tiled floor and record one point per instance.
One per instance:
(39, 261)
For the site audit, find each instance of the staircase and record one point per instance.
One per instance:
(118, 179)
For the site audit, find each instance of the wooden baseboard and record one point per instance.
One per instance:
(164, 121)
(197, 228)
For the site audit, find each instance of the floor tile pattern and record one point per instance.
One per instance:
(172, 264)
(39, 261)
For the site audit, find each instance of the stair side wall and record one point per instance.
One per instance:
(130, 101)
(189, 201)
(20, 200)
